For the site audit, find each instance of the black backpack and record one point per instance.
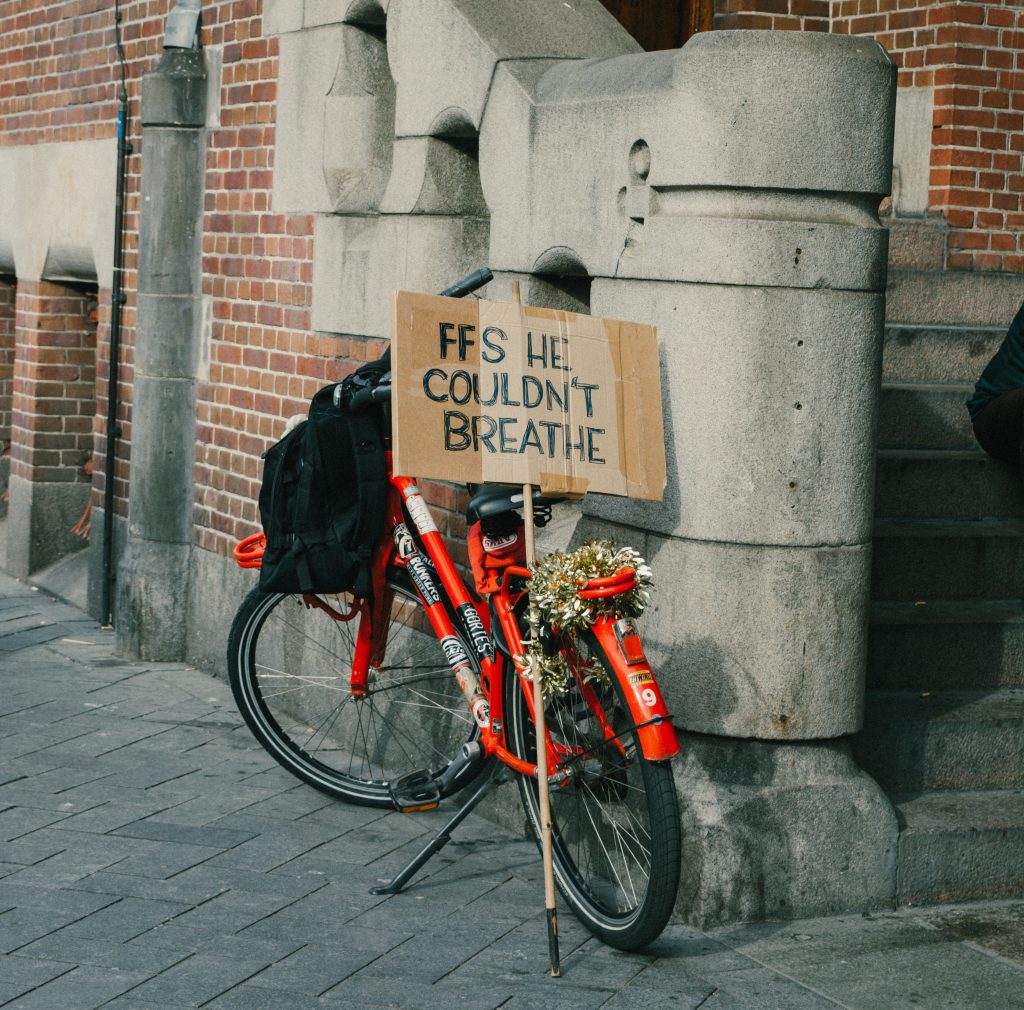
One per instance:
(324, 495)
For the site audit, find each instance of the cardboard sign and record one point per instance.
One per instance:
(507, 393)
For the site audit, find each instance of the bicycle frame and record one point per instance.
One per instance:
(483, 691)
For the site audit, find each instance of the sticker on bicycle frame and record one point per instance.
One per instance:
(453, 651)
(643, 677)
(475, 626)
(482, 713)
(404, 543)
(418, 511)
(417, 568)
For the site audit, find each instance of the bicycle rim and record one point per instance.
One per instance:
(289, 667)
(615, 822)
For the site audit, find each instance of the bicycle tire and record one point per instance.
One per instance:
(288, 665)
(616, 835)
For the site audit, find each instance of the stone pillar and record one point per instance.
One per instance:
(52, 406)
(153, 575)
(728, 193)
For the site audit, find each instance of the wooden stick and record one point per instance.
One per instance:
(543, 793)
(542, 750)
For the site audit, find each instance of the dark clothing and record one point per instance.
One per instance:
(999, 427)
(1004, 372)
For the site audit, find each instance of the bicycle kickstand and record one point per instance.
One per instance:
(496, 776)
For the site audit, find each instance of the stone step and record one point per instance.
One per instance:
(927, 559)
(959, 846)
(937, 645)
(945, 484)
(925, 415)
(953, 297)
(917, 741)
(925, 353)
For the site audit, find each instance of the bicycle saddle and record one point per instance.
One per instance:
(495, 499)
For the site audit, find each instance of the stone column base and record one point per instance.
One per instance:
(780, 831)
(39, 523)
(151, 600)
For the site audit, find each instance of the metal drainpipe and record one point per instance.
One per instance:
(182, 32)
(124, 148)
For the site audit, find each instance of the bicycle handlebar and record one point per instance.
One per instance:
(382, 391)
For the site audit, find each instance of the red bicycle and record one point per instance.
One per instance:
(404, 698)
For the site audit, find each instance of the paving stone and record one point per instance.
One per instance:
(400, 992)
(20, 926)
(222, 878)
(125, 919)
(164, 831)
(251, 997)
(314, 968)
(62, 947)
(83, 988)
(944, 976)
(161, 859)
(13, 894)
(16, 822)
(127, 885)
(238, 947)
(197, 980)
(28, 971)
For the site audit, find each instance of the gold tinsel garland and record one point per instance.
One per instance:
(554, 589)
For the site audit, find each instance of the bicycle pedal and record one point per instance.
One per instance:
(415, 792)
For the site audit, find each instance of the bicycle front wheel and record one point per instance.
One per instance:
(290, 667)
(615, 820)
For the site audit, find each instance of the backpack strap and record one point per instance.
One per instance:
(372, 477)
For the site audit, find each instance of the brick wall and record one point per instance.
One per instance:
(972, 54)
(54, 386)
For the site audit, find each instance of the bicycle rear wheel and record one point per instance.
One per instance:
(615, 822)
(289, 667)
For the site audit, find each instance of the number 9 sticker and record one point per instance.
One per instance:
(650, 698)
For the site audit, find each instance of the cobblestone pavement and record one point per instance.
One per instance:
(152, 857)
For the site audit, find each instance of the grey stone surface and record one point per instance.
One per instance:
(774, 830)
(937, 644)
(935, 559)
(961, 845)
(67, 578)
(916, 741)
(953, 297)
(938, 353)
(151, 598)
(579, 121)
(152, 583)
(163, 447)
(170, 233)
(918, 415)
(916, 243)
(217, 586)
(39, 521)
(754, 642)
(333, 153)
(475, 37)
(788, 462)
(169, 349)
(359, 261)
(945, 484)
(174, 94)
(57, 210)
(911, 155)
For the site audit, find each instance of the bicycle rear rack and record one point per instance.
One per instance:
(248, 553)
